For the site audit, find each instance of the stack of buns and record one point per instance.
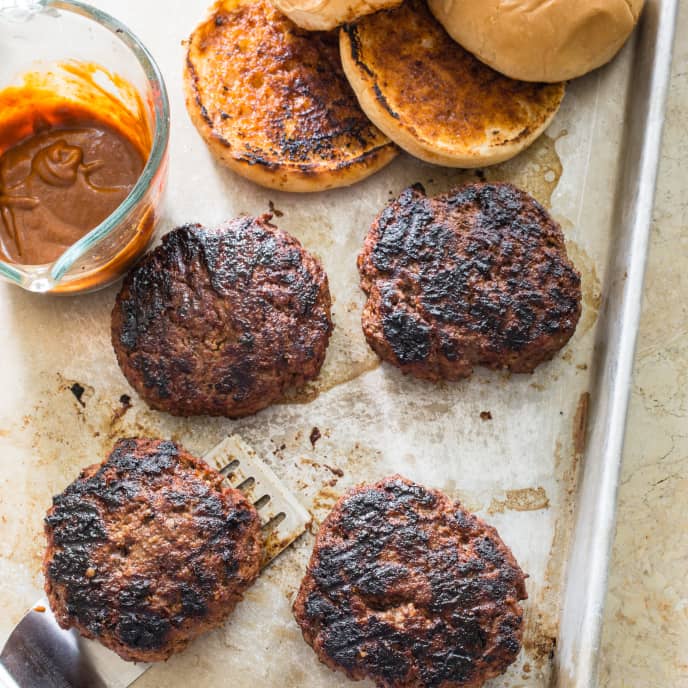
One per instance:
(457, 83)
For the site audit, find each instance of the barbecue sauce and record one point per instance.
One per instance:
(70, 153)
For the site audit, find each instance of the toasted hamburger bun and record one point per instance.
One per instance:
(322, 15)
(273, 104)
(433, 98)
(540, 41)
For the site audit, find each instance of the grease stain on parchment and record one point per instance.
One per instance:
(580, 424)
(345, 362)
(590, 285)
(324, 500)
(525, 499)
(539, 637)
(537, 170)
(541, 613)
(66, 433)
(542, 610)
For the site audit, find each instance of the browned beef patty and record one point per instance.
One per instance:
(222, 321)
(148, 550)
(408, 589)
(478, 276)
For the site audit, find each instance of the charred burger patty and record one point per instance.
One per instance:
(478, 276)
(408, 589)
(148, 550)
(222, 321)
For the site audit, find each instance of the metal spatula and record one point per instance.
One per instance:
(39, 654)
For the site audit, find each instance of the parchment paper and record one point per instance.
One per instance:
(506, 446)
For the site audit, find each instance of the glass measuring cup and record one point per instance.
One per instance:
(46, 37)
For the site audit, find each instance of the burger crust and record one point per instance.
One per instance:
(478, 276)
(549, 41)
(408, 589)
(433, 98)
(148, 550)
(222, 321)
(272, 103)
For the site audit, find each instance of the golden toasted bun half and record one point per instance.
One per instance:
(433, 98)
(273, 104)
(534, 40)
(322, 15)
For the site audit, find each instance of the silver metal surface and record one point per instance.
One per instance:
(40, 654)
(588, 562)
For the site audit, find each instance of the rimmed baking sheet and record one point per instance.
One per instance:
(508, 446)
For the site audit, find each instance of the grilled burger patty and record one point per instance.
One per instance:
(408, 589)
(148, 550)
(221, 321)
(478, 276)
(272, 102)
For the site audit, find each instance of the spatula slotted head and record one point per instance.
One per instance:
(283, 518)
